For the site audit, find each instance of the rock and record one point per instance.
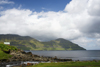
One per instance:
(3, 60)
(36, 56)
(23, 56)
(29, 53)
(23, 52)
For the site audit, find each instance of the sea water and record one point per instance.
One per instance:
(74, 55)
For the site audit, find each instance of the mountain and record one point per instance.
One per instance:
(29, 43)
(62, 44)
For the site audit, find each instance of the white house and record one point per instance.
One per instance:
(7, 43)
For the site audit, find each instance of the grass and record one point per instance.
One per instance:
(70, 64)
(4, 55)
(3, 48)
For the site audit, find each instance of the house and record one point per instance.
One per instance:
(7, 43)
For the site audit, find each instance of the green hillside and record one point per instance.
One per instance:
(61, 44)
(28, 43)
(6, 48)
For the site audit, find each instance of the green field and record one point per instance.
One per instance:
(70, 64)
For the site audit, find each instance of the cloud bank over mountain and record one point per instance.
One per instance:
(78, 22)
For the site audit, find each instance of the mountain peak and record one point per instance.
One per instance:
(60, 39)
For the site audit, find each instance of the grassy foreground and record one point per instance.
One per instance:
(70, 64)
(4, 55)
(3, 48)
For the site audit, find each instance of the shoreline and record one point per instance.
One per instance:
(28, 63)
(21, 56)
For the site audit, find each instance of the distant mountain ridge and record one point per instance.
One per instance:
(29, 43)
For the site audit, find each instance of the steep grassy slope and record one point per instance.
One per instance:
(4, 55)
(28, 43)
(4, 48)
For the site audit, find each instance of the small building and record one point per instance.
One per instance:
(7, 43)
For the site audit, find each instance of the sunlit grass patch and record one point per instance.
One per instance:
(70, 64)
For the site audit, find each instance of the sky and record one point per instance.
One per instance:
(45, 20)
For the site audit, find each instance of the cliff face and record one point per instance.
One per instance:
(29, 43)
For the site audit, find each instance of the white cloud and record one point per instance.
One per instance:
(6, 2)
(83, 41)
(48, 24)
(76, 6)
(94, 7)
(79, 22)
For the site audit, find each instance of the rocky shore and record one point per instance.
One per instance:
(20, 55)
(28, 56)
